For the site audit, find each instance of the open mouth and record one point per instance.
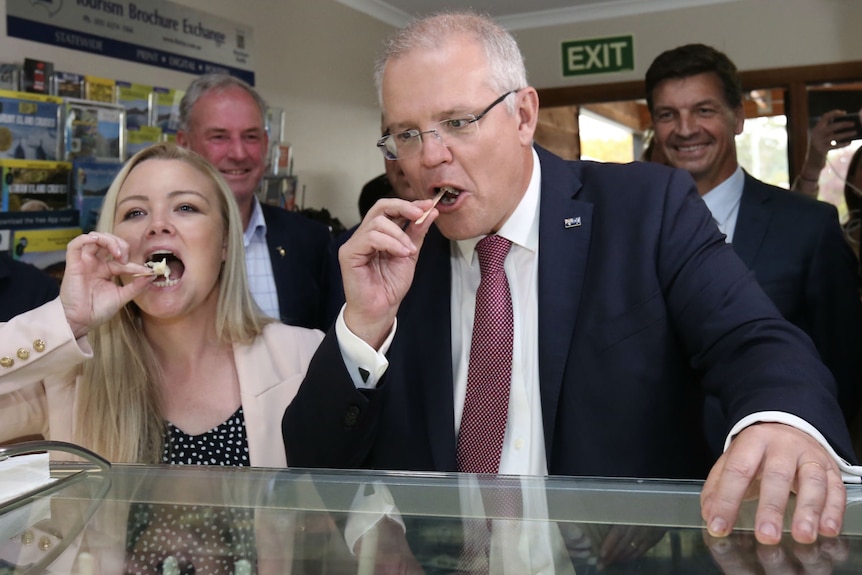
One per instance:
(450, 195)
(168, 267)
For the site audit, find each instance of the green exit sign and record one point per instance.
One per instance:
(598, 56)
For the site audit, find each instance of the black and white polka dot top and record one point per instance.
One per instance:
(186, 539)
(226, 444)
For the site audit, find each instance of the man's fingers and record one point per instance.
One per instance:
(776, 484)
(812, 485)
(819, 501)
(378, 233)
(728, 484)
(399, 211)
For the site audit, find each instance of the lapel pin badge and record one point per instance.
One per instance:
(280, 251)
(572, 222)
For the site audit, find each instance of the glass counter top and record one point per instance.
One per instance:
(191, 519)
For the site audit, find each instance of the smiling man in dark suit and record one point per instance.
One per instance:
(291, 269)
(794, 244)
(622, 291)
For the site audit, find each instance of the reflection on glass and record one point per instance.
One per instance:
(198, 539)
(169, 520)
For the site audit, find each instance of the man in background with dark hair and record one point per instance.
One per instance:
(372, 191)
(291, 269)
(794, 244)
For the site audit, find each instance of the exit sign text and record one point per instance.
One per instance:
(598, 56)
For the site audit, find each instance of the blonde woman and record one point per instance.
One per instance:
(155, 352)
(136, 366)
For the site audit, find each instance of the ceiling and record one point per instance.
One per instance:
(521, 14)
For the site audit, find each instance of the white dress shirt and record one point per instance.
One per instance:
(261, 281)
(524, 441)
(723, 202)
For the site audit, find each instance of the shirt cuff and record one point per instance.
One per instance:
(367, 510)
(364, 364)
(849, 473)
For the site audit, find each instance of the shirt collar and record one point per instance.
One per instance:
(522, 227)
(723, 199)
(256, 224)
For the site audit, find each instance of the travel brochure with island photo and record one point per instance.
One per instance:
(29, 126)
(135, 98)
(30, 186)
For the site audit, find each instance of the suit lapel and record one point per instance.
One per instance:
(257, 374)
(752, 222)
(565, 227)
(429, 313)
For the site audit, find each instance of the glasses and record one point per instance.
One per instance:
(448, 132)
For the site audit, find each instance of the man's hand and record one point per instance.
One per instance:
(769, 461)
(377, 265)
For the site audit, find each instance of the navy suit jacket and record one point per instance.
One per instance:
(301, 252)
(797, 250)
(639, 298)
(23, 287)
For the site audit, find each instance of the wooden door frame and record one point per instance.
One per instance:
(793, 80)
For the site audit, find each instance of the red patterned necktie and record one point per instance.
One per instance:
(489, 375)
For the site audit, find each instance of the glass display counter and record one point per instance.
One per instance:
(190, 519)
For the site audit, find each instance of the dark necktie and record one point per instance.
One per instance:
(489, 375)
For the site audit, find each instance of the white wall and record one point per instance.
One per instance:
(314, 59)
(755, 34)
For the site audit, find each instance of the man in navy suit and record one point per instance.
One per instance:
(23, 287)
(792, 243)
(292, 271)
(623, 292)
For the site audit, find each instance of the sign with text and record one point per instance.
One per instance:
(155, 32)
(598, 56)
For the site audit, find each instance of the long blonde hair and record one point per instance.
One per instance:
(119, 411)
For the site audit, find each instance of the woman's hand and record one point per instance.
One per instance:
(829, 134)
(89, 293)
